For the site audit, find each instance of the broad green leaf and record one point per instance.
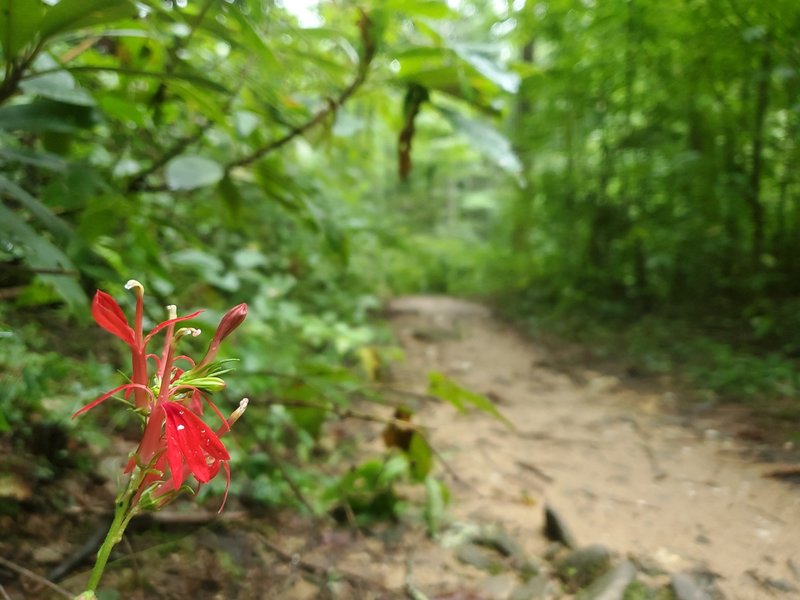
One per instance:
(231, 198)
(486, 140)
(249, 258)
(69, 15)
(47, 115)
(122, 109)
(482, 62)
(192, 172)
(394, 469)
(198, 100)
(198, 260)
(192, 78)
(245, 122)
(58, 85)
(41, 160)
(50, 221)
(19, 21)
(444, 388)
(39, 253)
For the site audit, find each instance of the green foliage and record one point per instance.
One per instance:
(441, 386)
(368, 489)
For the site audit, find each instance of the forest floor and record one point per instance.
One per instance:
(675, 496)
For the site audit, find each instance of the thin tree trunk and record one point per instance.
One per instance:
(754, 181)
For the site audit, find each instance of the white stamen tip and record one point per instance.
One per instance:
(132, 283)
(194, 332)
(239, 411)
(172, 311)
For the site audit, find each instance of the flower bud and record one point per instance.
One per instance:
(227, 325)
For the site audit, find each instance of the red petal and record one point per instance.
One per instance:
(199, 409)
(169, 322)
(174, 456)
(194, 440)
(107, 395)
(109, 316)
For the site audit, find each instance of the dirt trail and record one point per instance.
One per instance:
(620, 470)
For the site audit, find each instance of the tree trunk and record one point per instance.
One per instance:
(754, 180)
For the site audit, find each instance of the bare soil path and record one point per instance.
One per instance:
(621, 470)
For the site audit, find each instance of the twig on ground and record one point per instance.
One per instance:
(4, 594)
(535, 470)
(38, 578)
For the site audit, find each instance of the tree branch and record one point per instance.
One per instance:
(365, 60)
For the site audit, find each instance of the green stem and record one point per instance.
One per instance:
(123, 513)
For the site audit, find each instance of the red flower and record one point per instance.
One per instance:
(190, 439)
(174, 436)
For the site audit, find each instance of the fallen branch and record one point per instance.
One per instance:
(535, 470)
(38, 578)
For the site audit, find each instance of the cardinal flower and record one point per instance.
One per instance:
(176, 442)
(174, 436)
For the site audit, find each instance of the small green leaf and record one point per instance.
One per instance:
(436, 500)
(485, 139)
(444, 388)
(393, 470)
(192, 172)
(245, 122)
(58, 85)
(421, 457)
